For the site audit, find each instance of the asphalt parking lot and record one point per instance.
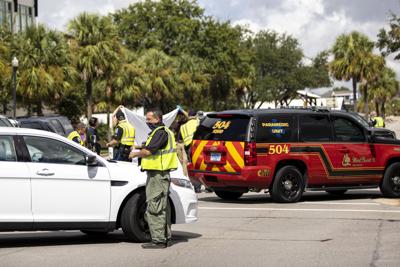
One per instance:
(357, 229)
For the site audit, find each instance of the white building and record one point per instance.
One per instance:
(18, 14)
(322, 97)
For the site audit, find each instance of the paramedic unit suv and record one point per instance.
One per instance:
(288, 151)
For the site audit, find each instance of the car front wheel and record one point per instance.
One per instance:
(133, 222)
(390, 186)
(288, 185)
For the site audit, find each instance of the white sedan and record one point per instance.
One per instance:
(48, 182)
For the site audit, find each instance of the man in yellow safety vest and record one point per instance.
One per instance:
(76, 135)
(124, 137)
(379, 122)
(158, 159)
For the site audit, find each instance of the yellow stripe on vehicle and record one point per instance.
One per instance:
(199, 149)
(229, 168)
(235, 155)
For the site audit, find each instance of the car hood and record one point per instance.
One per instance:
(128, 171)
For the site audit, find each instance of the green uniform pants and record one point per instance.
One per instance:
(158, 213)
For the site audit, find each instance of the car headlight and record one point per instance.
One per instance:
(182, 183)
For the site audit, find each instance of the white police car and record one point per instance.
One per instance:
(48, 182)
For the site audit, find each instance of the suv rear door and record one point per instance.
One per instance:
(219, 143)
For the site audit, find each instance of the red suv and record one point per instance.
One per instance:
(288, 151)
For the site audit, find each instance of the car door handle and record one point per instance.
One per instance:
(45, 172)
(344, 150)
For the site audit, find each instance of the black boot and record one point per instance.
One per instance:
(154, 245)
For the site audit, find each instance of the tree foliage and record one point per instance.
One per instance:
(44, 70)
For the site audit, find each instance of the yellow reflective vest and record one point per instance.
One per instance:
(74, 134)
(128, 135)
(380, 123)
(164, 159)
(188, 129)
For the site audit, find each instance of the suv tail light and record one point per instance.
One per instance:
(250, 154)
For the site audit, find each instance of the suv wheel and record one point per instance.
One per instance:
(288, 185)
(390, 186)
(133, 221)
(228, 195)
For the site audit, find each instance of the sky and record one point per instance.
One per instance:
(315, 23)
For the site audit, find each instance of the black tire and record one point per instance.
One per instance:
(336, 192)
(95, 233)
(390, 185)
(288, 185)
(133, 221)
(228, 195)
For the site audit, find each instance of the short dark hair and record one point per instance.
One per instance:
(120, 115)
(93, 121)
(157, 113)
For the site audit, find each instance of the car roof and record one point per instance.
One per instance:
(20, 131)
(255, 112)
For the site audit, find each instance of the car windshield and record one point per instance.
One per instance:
(360, 119)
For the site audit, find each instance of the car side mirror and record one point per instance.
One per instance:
(372, 123)
(91, 160)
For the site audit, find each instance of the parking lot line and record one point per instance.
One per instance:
(312, 210)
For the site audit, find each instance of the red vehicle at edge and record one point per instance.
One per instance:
(288, 151)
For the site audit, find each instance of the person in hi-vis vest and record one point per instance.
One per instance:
(124, 137)
(158, 159)
(76, 135)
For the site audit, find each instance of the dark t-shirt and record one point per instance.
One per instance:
(76, 140)
(159, 141)
(118, 133)
(92, 136)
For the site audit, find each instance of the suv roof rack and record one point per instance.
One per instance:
(312, 108)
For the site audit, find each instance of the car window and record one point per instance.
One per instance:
(277, 128)
(53, 151)
(31, 125)
(347, 131)
(4, 122)
(7, 149)
(315, 128)
(57, 125)
(227, 128)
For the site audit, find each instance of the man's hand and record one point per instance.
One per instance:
(133, 154)
(139, 153)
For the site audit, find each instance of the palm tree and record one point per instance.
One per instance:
(368, 68)
(44, 70)
(93, 41)
(192, 81)
(383, 89)
(159, 80)
(348, 52)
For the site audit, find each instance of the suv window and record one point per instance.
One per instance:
(347, 131)
(226, 128)
(53, 151)
(7, 149)
(277, 128)
(57, 125)
(31, 125)
(315, 128)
